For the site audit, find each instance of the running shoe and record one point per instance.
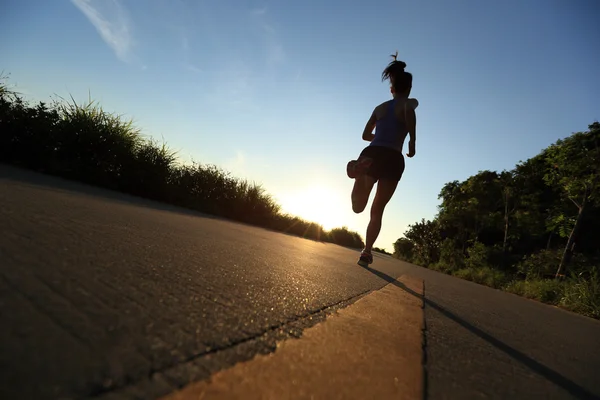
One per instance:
(355, 168)
(365, 258)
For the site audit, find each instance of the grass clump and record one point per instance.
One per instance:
(532, 278)
(549, 291)
(83, 142)
(484, 275)
(582, 294)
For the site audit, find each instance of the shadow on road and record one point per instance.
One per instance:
(573, 388)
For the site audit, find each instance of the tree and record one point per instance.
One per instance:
(453, 216)
(509, 197)
(403, 249)
(471, 210)
(513, 215)
(426, 241)
(537, 205)
(575, 169)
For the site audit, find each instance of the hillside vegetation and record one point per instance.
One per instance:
(533, 230)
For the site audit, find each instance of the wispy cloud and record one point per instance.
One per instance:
(111, 20)
(275, 52)
(259, 11)
(185, 43)
(235, 86)
(185, 48)
(236, 164)
(192, 68)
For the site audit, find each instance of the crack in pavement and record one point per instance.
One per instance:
(170, 377)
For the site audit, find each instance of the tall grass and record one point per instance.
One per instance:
(582, 294)
(532, 276)
(483, 275)
(575, 293)
(579, 292)
(83, 142)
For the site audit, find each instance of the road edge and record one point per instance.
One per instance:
(370, 336)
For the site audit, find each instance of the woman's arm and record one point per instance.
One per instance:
(368, 131)
(411, 120)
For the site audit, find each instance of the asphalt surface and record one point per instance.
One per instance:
(103, 295)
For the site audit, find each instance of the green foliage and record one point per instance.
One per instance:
(577, 293)
(582, 294)
(477, 256)
(426, 242)
(539, 265)
(574, 166)
(84, 142)
(451, 256)
(546, 290)
(521, 226)
(483, 275)
(574, 169)
(403, 249)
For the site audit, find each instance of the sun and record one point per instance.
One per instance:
(319, 204)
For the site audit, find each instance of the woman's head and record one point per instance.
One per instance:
(400, 80)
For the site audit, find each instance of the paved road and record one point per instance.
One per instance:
(106, 296)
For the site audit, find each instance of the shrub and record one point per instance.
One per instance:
(404, 249)
(582, 294)
(539, 265)
(343, 236)
(545, 290)
(451, 257)
(484, 275)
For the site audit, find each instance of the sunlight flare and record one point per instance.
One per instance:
(316, 203)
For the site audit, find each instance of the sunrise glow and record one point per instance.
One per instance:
(318, 204)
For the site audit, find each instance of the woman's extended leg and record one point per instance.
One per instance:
(385, 191)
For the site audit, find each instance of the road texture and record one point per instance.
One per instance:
(104, 295)
(379, 336)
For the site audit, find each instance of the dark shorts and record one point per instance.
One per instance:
(387, 163)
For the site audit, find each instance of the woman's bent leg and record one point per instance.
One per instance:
(385, 191)
(361, 191)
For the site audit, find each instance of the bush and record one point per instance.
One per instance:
(545, 290)
(345, 237)
(539, 265)
(477, 256)
(577, 293)
(451, 257)
(404, 249)
(582, 294)
(484, 275)
(442, 267)
(480, 255)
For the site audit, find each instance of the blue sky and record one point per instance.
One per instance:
(279, 92)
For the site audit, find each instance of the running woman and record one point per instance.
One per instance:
(382, 161)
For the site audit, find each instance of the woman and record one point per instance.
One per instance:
(382, 161)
